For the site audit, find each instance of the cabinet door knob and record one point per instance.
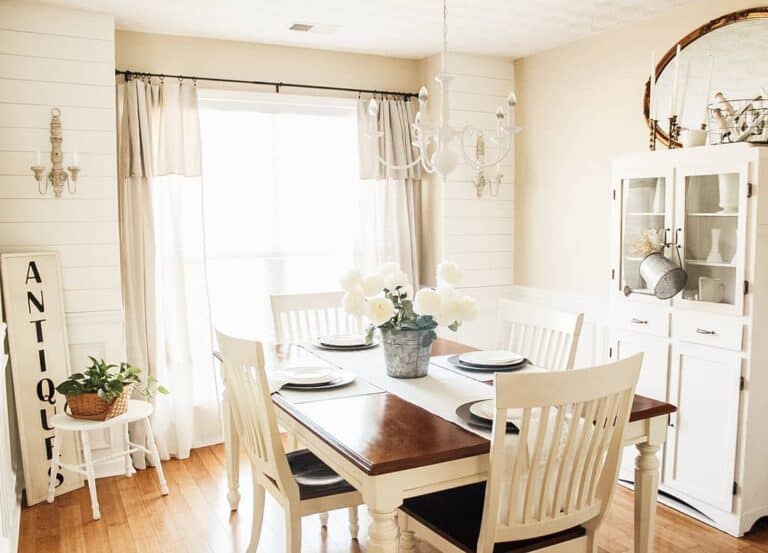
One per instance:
(637, 321)
(703, 331)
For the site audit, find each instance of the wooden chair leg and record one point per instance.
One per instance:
(258, 514)
(155, 457)
(354, 523)
(54, 470)
(292, 532)
(90, 474)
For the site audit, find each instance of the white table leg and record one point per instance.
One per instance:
(383, 533)
(90, 474)
(231, 453)
(54, 470)
(646, 492)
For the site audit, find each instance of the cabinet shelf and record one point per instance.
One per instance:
(706, 263)
(717, 214)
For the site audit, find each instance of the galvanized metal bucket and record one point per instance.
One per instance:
(406, 352)
(663, 277)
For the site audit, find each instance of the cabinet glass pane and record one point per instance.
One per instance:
(711, 222)
(643, 213)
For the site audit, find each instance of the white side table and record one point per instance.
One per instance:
(137, 410)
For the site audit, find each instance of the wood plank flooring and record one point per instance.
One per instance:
(195, 518)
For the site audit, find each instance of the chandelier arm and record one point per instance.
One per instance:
(398, 167)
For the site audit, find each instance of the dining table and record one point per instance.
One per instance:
(398, 438)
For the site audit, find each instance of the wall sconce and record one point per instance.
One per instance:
(481, 181)
(57, 177)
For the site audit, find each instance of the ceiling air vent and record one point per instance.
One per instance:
(303, 27)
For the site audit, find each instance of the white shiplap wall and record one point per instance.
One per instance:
(64, 58)
(476, 233)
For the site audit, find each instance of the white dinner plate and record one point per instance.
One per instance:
(307, 375)
(343, 340)
(484, 410)
(491, 358)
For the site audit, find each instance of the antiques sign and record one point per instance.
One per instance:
(39, 356)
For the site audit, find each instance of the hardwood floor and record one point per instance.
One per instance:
(195, 517)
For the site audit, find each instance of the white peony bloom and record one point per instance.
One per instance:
(353, 303)
(427, 302)
(379, 310)
(351, 281)
(395, 279)
(372, 284)
(467, 308)
(386, 268)
(449, 272)
(449, 312)
(447, 292)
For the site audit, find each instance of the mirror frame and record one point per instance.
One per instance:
(718, 23)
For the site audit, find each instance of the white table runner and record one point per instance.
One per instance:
(440, 392)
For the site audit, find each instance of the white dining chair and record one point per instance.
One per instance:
(304, 317)
(138, 410)
(551, 495)
(300, 482)
(547, 337)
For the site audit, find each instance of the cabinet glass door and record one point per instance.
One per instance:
(644, 216)
(711, 231)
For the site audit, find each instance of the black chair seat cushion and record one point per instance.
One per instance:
(456, 514)
(315, 478)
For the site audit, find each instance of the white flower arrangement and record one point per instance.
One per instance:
(383, 298)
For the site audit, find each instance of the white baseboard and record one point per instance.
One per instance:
(10, 543)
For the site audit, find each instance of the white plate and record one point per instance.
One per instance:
(491, 358)
(342, 340)
(484, 410)
(307, 375)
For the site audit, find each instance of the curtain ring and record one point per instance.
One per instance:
(162, 77)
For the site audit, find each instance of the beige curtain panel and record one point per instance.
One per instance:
(393, 210)
(162, 257)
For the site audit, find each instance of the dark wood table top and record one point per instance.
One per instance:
(383, 433)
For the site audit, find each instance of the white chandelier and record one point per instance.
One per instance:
(437, 152)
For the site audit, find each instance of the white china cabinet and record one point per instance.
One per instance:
(706, 349)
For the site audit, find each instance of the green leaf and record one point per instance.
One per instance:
(454, 325)
(163, 390)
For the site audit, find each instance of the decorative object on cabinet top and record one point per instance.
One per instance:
(725, 55)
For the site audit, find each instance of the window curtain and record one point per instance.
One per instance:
(162, 259)
(391, 205)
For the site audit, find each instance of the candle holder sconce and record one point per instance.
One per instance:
(481, 181)
(57, 177)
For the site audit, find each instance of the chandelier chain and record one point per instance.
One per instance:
(444, 64)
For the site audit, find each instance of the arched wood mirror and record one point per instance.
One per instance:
(732, 48)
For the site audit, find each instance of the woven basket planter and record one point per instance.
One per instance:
(92, 407)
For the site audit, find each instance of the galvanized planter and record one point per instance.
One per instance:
(406, 352)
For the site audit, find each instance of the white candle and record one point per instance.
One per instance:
(38, 160)
(673, 96)
(708, 91)
(684, 88)
(652, 100)
(74, 158)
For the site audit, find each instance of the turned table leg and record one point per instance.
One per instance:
(383, 533)
(646, 492)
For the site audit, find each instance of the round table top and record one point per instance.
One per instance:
(137, 410)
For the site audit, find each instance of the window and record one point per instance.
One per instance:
(281, 200)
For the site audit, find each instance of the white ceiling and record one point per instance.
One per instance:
(404, 28)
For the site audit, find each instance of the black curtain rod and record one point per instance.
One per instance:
(277, 85)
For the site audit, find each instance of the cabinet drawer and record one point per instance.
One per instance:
(642, 318)
(709, 330)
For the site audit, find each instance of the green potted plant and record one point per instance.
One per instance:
(102, 390)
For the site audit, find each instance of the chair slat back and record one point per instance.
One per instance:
(547, 337)
(304, 317)
(250, 403)
(561, 470)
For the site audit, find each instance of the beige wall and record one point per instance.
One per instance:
(244, 60)
(580, 107)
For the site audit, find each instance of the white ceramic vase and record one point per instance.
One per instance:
(728, 189)
(714, 252)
